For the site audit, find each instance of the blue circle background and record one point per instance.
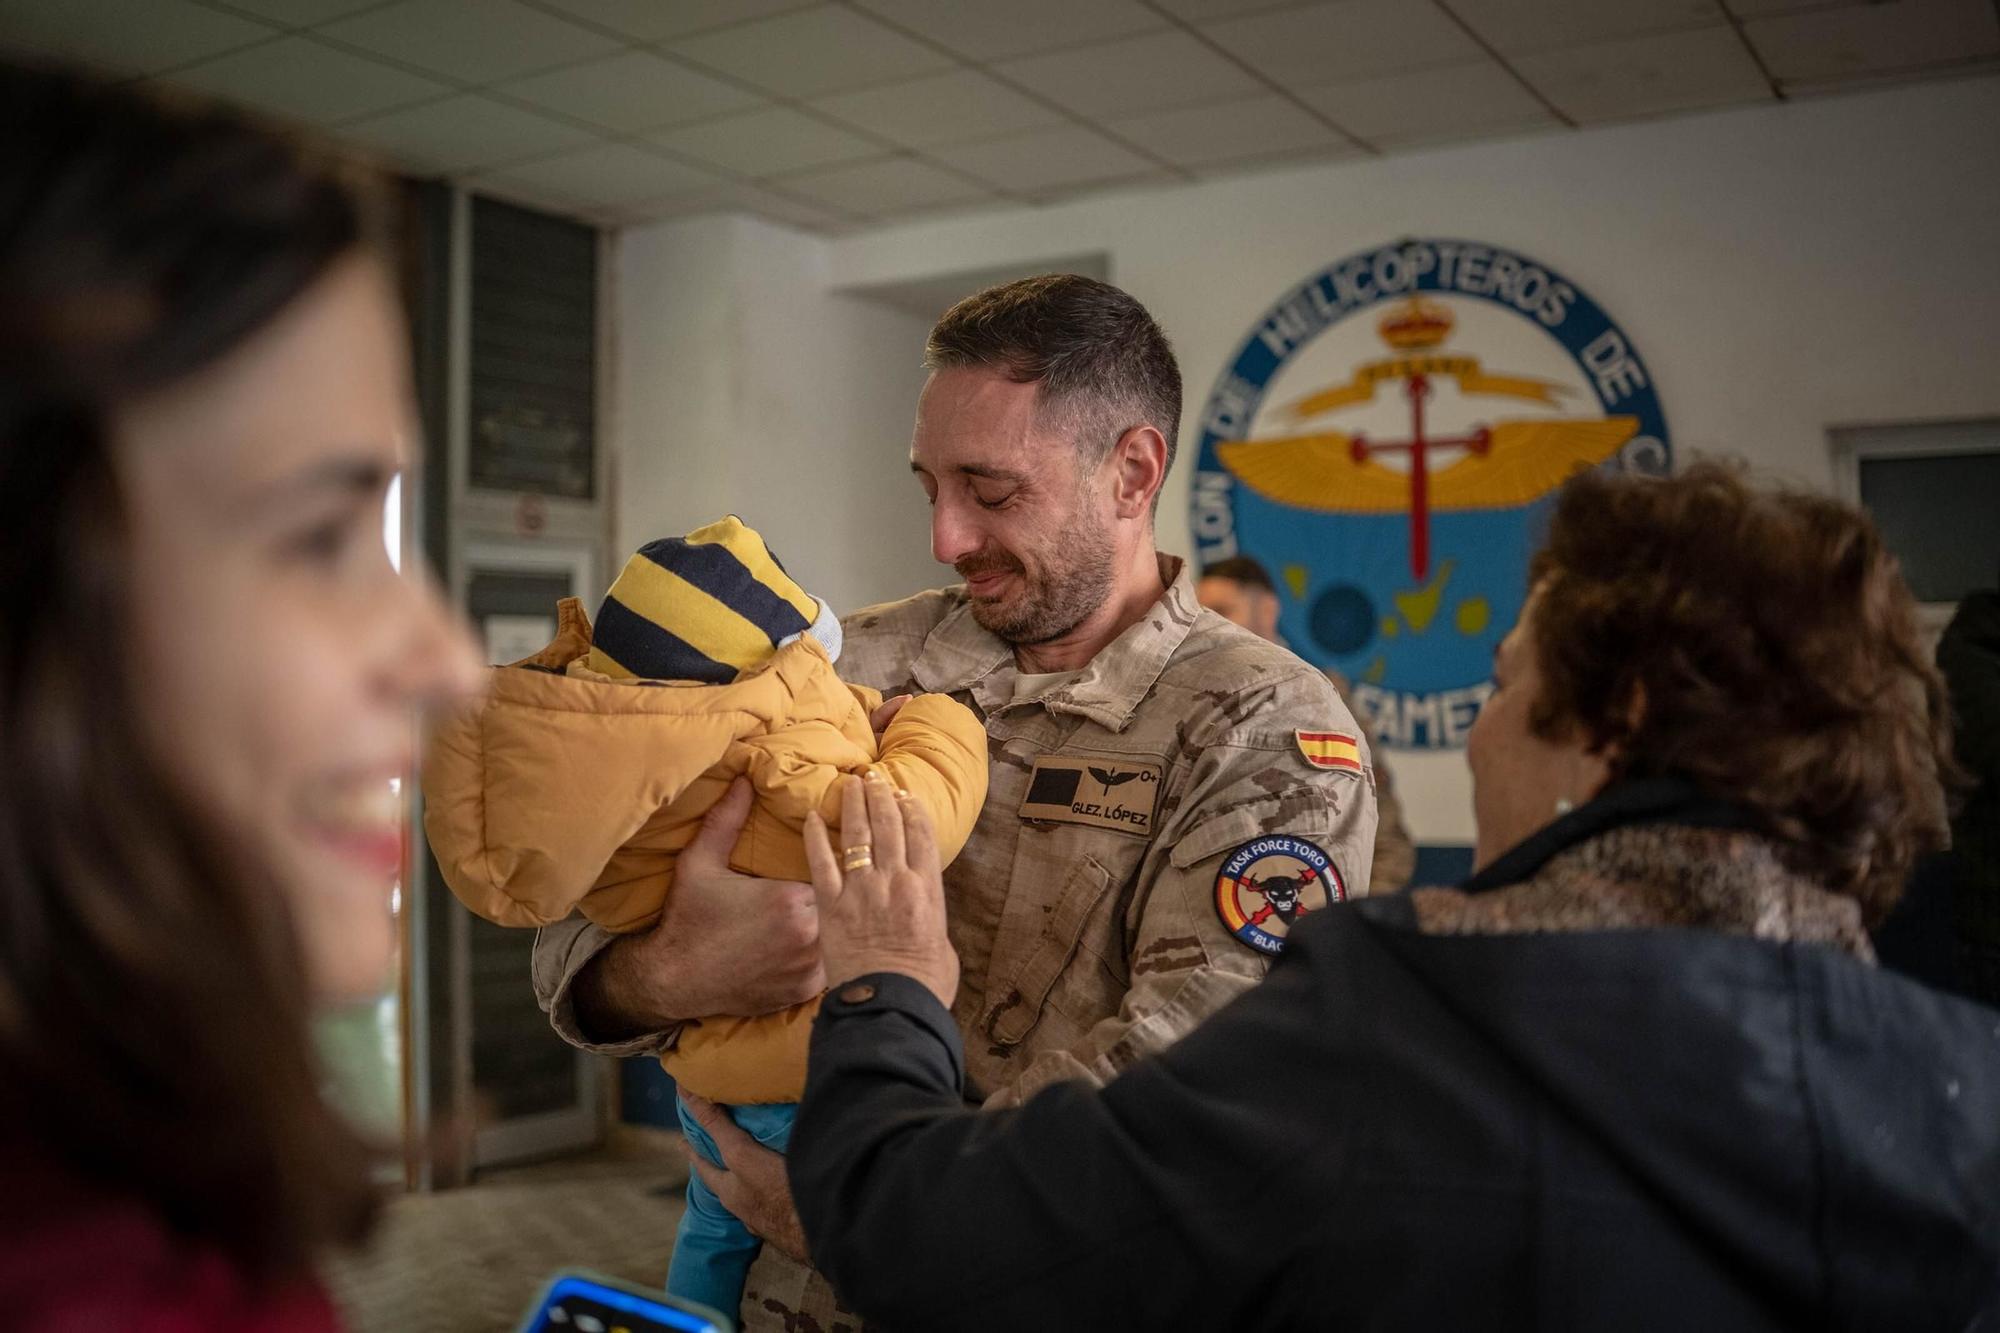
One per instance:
(1373, 548)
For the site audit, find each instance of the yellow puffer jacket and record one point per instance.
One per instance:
(566, 789)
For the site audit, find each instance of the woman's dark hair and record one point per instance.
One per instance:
(1761, 643)
(154, 1029)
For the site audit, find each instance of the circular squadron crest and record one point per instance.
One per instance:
(1385, 443)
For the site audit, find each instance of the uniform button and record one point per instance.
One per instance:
(859, 993)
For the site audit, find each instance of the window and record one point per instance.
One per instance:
(1935, 490)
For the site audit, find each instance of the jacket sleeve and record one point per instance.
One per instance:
(525, 805)
(1137, 1205)
(1251, 781)
(561, 952)
(935, 748)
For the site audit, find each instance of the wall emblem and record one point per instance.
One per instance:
(1385, 442)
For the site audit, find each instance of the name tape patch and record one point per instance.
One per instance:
(1268, 883)
(1098, 791)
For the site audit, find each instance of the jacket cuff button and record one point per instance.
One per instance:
(859, 993)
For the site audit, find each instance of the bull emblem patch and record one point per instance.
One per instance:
(1268, 883)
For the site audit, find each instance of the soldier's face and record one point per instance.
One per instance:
(1013, 510)
(1240, 604)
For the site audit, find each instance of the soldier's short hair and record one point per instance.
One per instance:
(1241, 569)
(1097, 358)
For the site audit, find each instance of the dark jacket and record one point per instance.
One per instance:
(1604, 1119)
(1969, 656)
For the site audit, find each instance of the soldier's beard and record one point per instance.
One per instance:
(1053, 595)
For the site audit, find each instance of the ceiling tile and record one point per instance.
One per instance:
(944, 108)
(735, 198)
(300, 78)
(1513, 27)
(1046, 159)
(1643, 76)
(1348, 39)
(1133, 74)
(606, 174)
(813, 51)
(1431, 105)
(461, 133)
(1838, 43)
(631, 91)
(765, 143)
(657, 20)
(1208, 135)
(1194, 10)
(121, 35)
(496, 187)
(302, 13)
(873, 189)
(1017, 27)
(1744, 9)
(478, 41)
(1275, 161)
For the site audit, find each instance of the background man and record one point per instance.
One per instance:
(1149, 759)
(1238, 590)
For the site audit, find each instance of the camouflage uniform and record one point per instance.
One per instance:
(1083, 908)
(1395, 852)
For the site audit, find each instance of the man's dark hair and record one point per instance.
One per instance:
(1096, 355)
(1241, 569)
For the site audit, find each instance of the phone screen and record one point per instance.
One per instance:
(580, 1303)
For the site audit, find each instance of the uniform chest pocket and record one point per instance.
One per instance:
(1021, 986)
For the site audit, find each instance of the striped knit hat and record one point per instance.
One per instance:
(706, 606)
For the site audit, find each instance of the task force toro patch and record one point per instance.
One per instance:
(1268, 883)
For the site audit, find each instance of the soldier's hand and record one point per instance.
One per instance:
(750, 1182)
(725, 944)
(881, 897)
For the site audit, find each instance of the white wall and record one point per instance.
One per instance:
(1781, 269)
(745, 385)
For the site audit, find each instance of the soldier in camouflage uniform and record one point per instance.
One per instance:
(1238, 590)
(1152, 764)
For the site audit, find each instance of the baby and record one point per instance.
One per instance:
(579, 778)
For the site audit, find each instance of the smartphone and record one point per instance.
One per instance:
(580, 1302)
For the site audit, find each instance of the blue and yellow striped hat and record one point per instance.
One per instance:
(706, 606)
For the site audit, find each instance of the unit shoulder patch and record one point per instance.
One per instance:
(1330, 749)
(1098, 791)
(1268, 883)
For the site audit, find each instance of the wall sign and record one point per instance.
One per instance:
(1385, 442)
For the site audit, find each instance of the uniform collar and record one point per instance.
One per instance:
(959, 655)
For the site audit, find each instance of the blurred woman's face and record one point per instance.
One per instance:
(1519, 777)
(280, 654)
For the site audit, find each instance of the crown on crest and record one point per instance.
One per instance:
(1416, 324)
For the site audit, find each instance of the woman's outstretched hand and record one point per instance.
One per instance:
(881, 894)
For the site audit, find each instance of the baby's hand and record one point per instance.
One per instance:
(880, 719)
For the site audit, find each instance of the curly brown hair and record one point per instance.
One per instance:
(1761, 643)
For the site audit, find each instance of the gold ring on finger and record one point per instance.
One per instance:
(857, 858)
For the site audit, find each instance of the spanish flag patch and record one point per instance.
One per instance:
(1330, 749)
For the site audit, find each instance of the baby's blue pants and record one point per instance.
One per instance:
(712, 1250)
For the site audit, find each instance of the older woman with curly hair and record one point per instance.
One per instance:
(1639, 1072)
